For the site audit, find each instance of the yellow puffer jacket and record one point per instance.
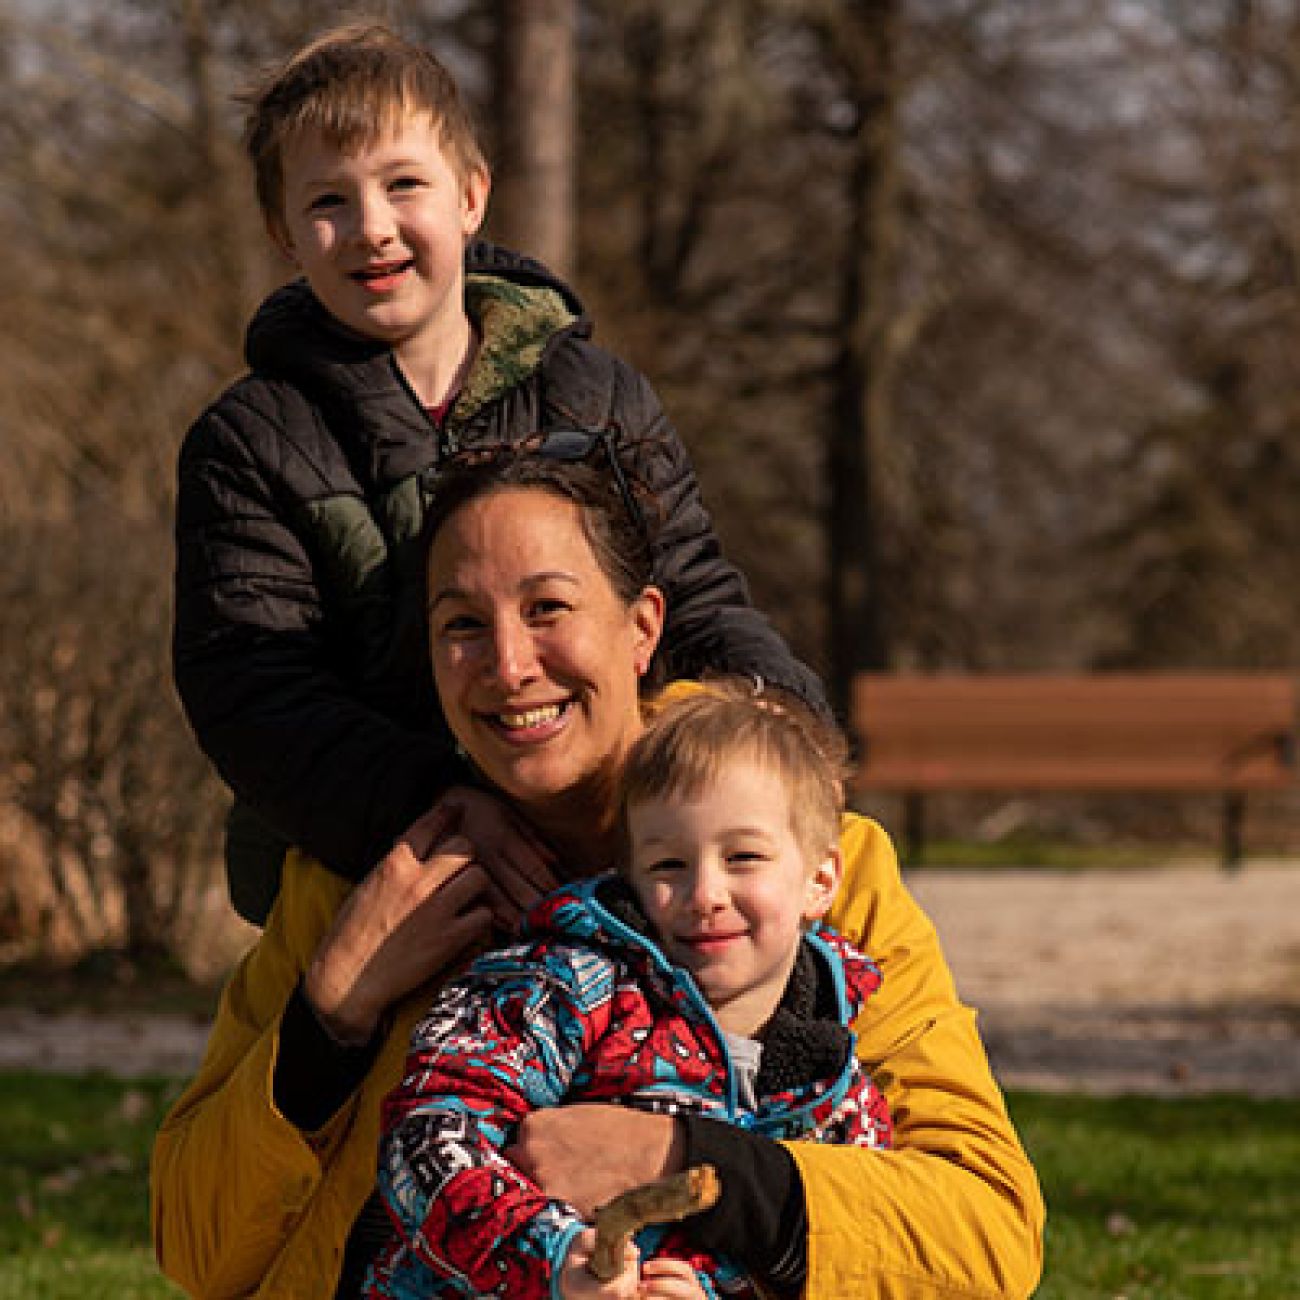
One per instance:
(245, 1204)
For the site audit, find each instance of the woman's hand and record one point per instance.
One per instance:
(590, 1153)
(578, 1282)
(519, 864)
(670, 1279)
(424, 904)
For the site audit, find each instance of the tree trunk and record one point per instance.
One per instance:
(221, 173)
(533, 208)
(865, 40)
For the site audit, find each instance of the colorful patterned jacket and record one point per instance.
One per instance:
(586, 1008)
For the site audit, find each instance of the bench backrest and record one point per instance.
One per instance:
(1156, 731)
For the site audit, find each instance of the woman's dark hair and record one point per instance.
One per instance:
(619, 540)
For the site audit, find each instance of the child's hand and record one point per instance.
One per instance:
(670, 1279)
(577, 1282)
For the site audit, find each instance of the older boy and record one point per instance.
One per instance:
(700, 983)
(299, 644)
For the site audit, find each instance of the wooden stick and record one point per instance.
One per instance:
(664, 1201)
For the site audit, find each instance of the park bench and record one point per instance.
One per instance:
(1227, 734)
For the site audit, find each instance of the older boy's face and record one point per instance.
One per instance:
(727, 888)
(380, 234)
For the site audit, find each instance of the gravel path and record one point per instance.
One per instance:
(1167, 980)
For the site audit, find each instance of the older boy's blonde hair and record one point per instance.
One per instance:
(353, 84)
(689, 740)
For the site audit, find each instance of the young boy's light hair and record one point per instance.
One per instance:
(353, 85)
(690, 740)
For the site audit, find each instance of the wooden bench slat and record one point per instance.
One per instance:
(1177, 732)
(1111, 777)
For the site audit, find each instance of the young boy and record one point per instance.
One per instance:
(299, 646)
(697, 981)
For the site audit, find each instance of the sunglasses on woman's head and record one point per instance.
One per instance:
(571, 446)
(565, 447)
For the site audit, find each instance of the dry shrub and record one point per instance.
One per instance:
(109, 815)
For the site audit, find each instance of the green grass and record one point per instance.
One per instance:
(74, 1211)
(1188, 1199)
(1193, 1199)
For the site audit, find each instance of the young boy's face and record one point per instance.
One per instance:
(728, 888)
(380, 232)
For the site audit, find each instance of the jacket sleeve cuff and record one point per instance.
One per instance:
(315, 1073)
(761, 1220)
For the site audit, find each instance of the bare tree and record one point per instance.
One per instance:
(1023, 320)
(132, 261)
(536, 101)
(862, 42)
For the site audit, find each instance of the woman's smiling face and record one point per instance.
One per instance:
(535, 656)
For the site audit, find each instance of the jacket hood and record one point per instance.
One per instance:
(807, 1039)
(356, 380)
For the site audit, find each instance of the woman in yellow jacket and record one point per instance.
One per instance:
(541, 625)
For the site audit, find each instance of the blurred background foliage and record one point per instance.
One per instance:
(981, 320)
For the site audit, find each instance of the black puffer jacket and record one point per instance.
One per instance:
(300, 649)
